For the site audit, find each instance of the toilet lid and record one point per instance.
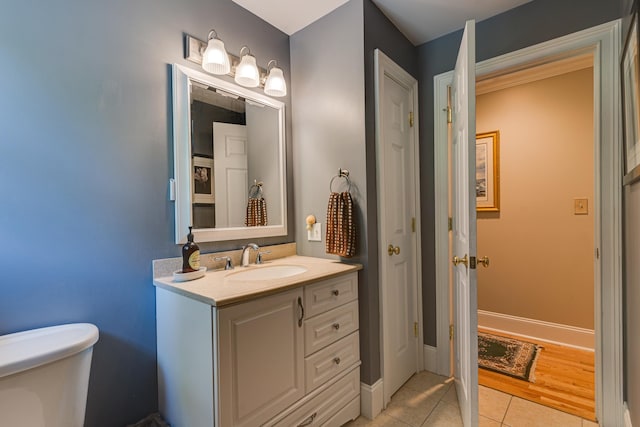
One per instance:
(26, 350)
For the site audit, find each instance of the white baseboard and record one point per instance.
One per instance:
(545, 331)
(627, 416)
(371, 399)
(430, 358)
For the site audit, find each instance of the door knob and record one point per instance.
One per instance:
(463, 260)
(484, 261)
(393, 250)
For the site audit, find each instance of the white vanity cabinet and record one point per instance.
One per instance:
(261, 358)
(286, 359)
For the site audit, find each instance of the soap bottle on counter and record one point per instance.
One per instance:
(190, 255)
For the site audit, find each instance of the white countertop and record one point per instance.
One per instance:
(220, 287)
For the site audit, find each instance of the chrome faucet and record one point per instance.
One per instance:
(245, 253)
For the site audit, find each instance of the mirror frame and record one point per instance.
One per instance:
(181, 88)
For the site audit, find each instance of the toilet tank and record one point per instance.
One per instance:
(44, 375)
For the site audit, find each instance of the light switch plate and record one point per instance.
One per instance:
(580, 206)
(315, 234)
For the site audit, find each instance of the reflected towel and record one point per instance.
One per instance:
(341, 226)
(256, 212)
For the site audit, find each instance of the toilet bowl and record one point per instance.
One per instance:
(44, 376)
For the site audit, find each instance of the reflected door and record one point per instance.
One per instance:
(230, 174)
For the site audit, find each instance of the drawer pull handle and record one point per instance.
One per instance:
(301, 307)
(336, 326)
(336, 360)
(335, 292)
(309, 420)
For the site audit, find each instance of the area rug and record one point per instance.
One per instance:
(507, 356)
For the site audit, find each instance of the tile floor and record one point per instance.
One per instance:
(430, 400)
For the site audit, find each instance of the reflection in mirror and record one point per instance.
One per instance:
(229, 159)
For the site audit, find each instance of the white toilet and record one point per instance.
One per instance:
(44, 376)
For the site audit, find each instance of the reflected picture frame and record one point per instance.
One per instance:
(630, 81)
(203, 188)
(488, 172)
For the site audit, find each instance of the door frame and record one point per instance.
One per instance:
(383, 65)
(604, 42)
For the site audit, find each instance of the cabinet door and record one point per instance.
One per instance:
(261, 358)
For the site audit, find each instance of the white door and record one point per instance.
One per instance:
(397, 204)
(464, 227)
(230, 173)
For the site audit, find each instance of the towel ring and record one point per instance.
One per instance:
(255, 191)
(342, 173)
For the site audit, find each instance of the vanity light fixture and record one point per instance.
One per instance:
(275, 85)
(247, 73)
(215, 58)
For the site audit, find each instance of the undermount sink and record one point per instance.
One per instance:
(267, 272)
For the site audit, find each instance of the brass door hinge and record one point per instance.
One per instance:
(410, 118)
(415, 329)
(450, 332)
(450, 224)
(413, 224)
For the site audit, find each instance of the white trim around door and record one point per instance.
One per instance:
(603, 42)
(384, 66)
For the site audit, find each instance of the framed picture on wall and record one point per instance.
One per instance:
(630, 69)
(488, 172)
(202, 180)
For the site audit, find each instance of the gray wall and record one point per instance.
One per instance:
(86, 153)
(328, 134)
(529, 24)
(334, 127)
(379, 33)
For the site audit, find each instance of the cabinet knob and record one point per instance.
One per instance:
(336, 360)
(335, 292)
(336, 326)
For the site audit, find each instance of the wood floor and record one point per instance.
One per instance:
(564, 379)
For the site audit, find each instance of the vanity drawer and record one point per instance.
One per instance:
(320, 367)
(329, 327)
(328, 294)
(322, 408)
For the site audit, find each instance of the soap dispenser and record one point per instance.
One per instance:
(190, 255)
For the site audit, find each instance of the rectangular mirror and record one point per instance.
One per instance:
(229, 160)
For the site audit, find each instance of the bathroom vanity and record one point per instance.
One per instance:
(274, 345)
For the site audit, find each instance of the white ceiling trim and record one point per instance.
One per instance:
(534, 73)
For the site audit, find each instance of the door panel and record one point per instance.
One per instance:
(399, 293)
(464, 228)
(231, 174)
(262, 350)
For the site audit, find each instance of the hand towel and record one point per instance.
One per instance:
(256, 212)
(341, 225)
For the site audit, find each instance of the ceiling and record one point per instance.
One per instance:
(419, 20)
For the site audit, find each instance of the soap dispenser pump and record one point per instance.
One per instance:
(190, 255)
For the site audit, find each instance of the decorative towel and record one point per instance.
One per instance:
(256, 212)
(341, 225)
